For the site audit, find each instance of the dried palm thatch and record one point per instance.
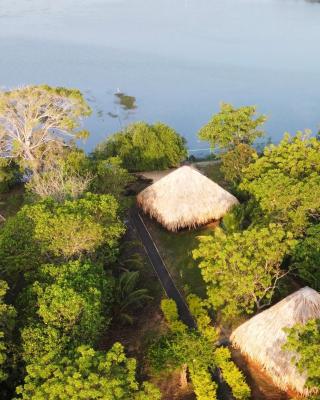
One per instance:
(185, 199)
(262, 337)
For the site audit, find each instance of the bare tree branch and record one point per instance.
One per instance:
(35, 117)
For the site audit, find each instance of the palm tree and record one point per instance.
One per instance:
(127, 296)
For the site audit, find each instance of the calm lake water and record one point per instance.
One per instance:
(175, 59)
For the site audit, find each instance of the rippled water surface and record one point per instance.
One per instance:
(174, 60)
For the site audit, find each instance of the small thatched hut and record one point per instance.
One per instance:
(262, 337)
(185, 199)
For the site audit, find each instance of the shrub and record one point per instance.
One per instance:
(142, 147)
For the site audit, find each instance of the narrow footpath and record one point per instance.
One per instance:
(170, 288)
(161, 269)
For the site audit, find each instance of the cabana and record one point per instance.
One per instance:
(262, 337)
(185, 198)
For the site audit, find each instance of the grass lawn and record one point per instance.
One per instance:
(212, 170)
(176, 251)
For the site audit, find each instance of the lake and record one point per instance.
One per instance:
(174, 60)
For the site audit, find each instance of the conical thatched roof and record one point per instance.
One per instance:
(262, 337)
(184, 199)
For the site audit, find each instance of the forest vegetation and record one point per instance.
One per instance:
(69, 277)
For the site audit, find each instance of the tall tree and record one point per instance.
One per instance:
(19, 252)
(7, 321)
(307, 256)
(86, 374)
(242, 270)
(232, 126)
(235, 161)
(142, 147)
(110, 176)
(34, 120)
(184, 349)
(77, 227)
(74, 299)
(285, 182)
(196, 351)
(10, 174)
(304, 342)
(222, 356)
(48, 231)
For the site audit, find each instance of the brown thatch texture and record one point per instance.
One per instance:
(262, 337)
(185, 199)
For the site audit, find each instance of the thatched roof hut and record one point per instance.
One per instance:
(262, 337)
(185, 199)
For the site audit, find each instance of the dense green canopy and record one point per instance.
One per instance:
(143, 147)
(285, 182)
(304, 342)
(306, 256)
(74, 298)
(7, 321)
(197, 351)
(59, 253)
(232, 126)
(241, 270)
(86, 374)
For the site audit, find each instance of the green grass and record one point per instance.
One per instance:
(176, 251)
(213, 171)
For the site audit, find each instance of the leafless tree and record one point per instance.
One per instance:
(56, 183)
